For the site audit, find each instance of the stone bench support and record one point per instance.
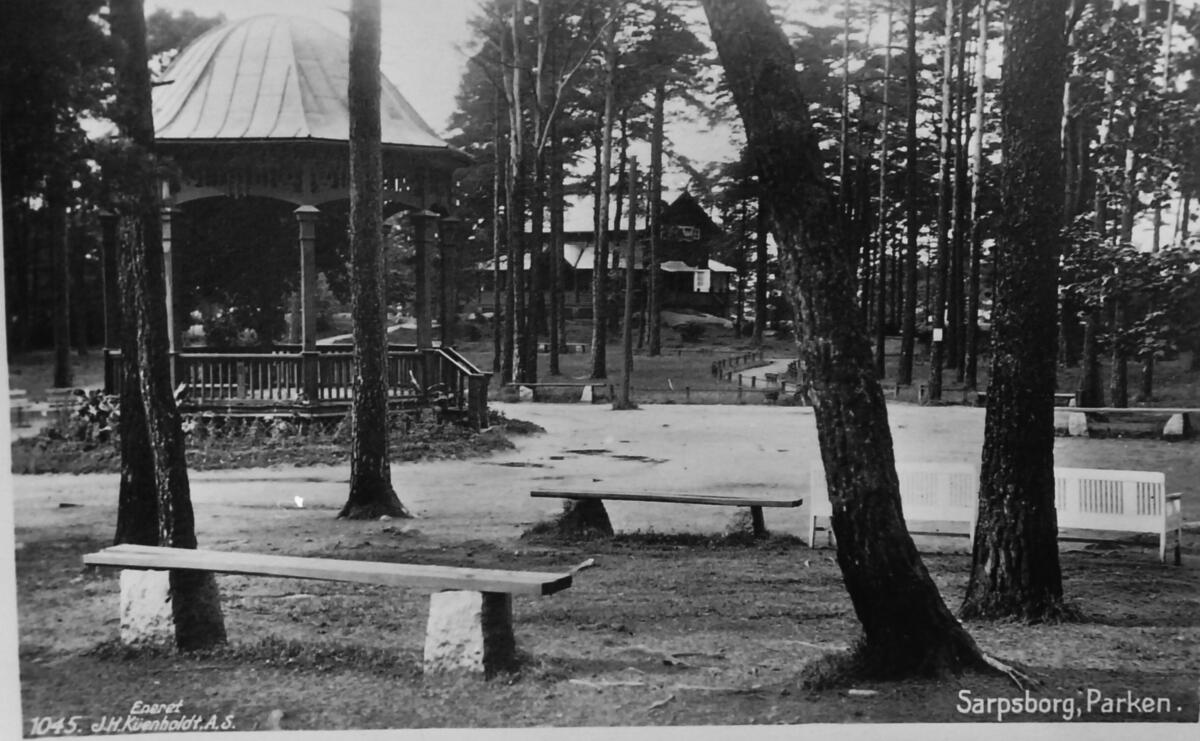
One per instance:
(470, 631)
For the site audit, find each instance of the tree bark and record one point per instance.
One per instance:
(154, 487)
(515, 318)
(1015, 569)
(937, 345)
(1118, 379)
(371, 492)
(1090, 391)
(971, 372)
(558, 326)
(654, 216)
(760, 272)
(499, 178)
(60, 258)
(625, 400)
(881, 318)
(1146, 393)
(600, 268)
(908, 319)
(907, 629)
(956, 345)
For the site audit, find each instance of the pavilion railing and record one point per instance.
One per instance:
(282, 375)
(212, 377)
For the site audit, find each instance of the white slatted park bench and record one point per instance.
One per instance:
(937, 498)
(679, 497)
(470, 609)
(1086, 499)
(1119, 501)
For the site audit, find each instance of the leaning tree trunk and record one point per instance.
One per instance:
(371, 492)
(1015, 570)
(907, 628)
(154, 481)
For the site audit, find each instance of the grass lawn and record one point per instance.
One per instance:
(683, 621)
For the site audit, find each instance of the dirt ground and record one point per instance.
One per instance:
(673, 626)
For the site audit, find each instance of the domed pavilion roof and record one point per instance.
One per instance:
(273, 77)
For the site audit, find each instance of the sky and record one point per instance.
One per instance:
(422, 43)
(422, 54)
(419, 40)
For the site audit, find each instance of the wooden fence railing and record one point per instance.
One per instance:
(430, 376)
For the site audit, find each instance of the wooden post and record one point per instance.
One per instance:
(169, 281)
(760, 526)
(421, 221)
(448, 277)
(306, 217)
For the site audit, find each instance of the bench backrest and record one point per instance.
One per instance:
(1104, 499)
(1085, 498)
(928, 491)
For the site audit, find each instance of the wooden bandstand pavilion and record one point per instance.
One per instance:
(255, 112)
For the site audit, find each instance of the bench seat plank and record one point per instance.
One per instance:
(666, 496)
(333, 569)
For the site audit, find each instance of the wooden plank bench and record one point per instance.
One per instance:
(1178, 424)
(1090, 499)
(679, 497)
(937, 498)
(470, 610)
(1061, 399)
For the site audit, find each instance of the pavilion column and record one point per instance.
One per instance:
(448, 277)
(108, 282)
(173, 340)
(306, 217)
(421, 221)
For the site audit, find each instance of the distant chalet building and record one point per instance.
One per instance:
(690, 278)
